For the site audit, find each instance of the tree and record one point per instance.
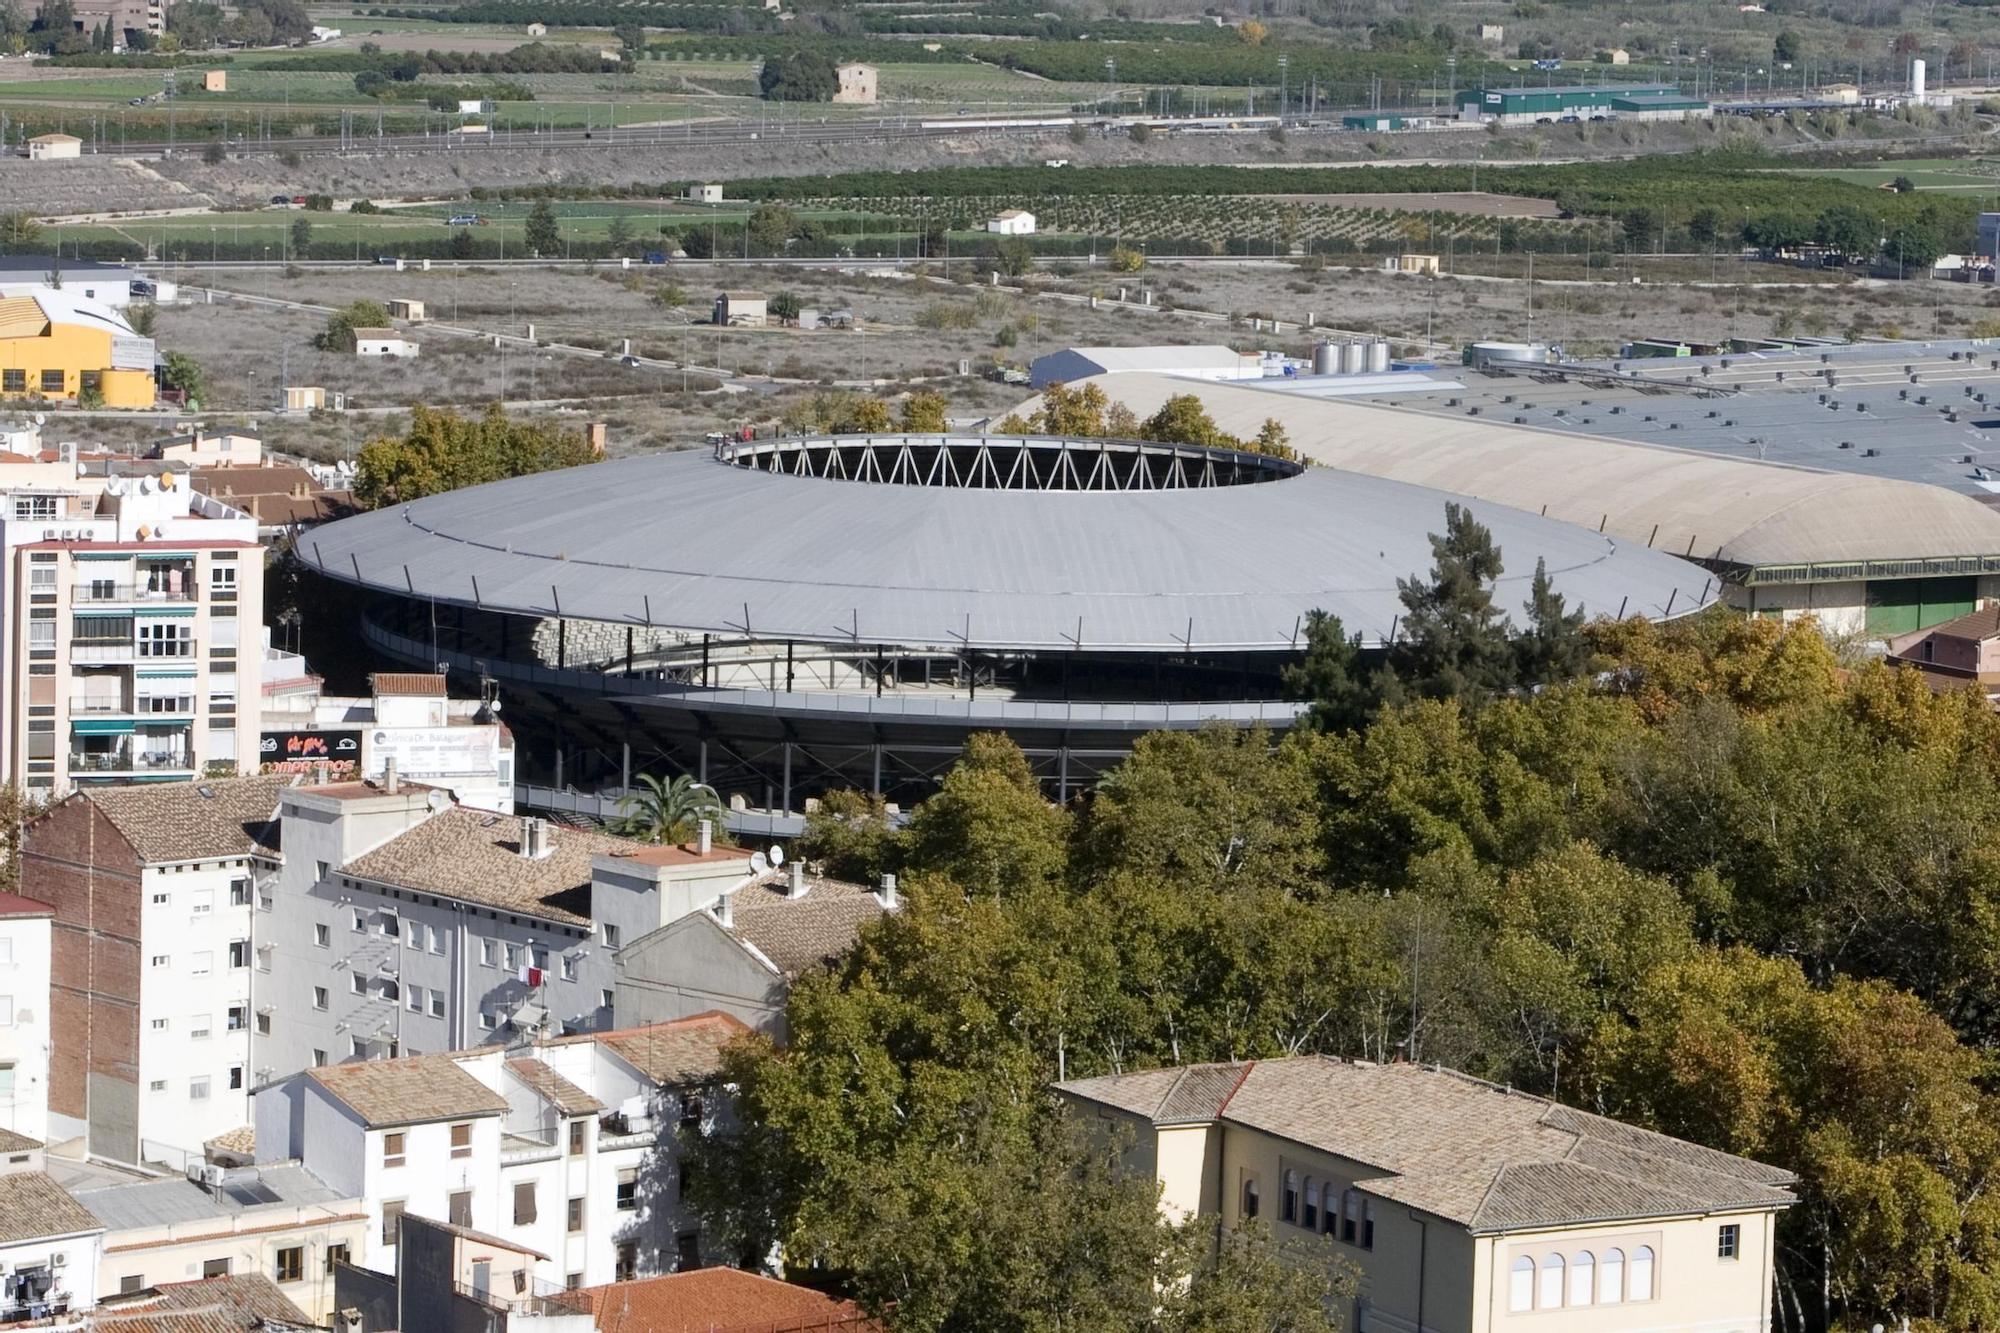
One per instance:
(1639, 227)
(143, 317)
(541, 232)
(1139, 132)
(769, 227)
(619, 234)
(1704, 227)
(1785, 48)
(1849, 230)
(1070, 413)
(850, 837)
(215, 155)
(1916, 242)
(1453, 641)
(1273, 439)
(1011, 255)
(632, 37)
(461, 245)
(1252, 32)
(302, 235)
(1553, 648)
(1331, 677)
(1248, 1281)
(338, 335)
(923, 413)
(1184, 419)
(443, 451)
(1906, 45)
(799, 76)
(183, 374)
(667, 812)
(988, 829)
(1125, 258)
(785, 307)
(15, 811)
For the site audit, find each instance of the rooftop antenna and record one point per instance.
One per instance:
(777, 855)
(759, 863)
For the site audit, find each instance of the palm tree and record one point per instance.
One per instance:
(664, 812)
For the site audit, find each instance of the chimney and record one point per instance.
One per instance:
(886, 895)
(391, 784)
(704, 838)
(725, 911)
(534, 838)
(796, 887)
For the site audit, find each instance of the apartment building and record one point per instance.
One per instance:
(159, 891)
(24, 1015)
(279, 1221)
(132, 608)
(50, 1244)
(410, 925)
(567, 1148)
(1465, 1207)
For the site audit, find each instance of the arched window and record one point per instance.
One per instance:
(1311, 1220)
(1249, 1196)
(1582, 1276)
(1291, 1204)
(1350, 1221)
(1550, 1294)
(1641, 1288)
(1521, 1285)
(1611, 1278)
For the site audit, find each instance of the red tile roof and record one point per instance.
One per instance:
(13, 904)
(720, 1300)
(407, 682)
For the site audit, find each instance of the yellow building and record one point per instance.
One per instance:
(56, 347)
(1462, 1206)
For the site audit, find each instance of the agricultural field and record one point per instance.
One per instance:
(1965, 175)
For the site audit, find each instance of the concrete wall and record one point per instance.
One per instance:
(249, 1241)
(691, 966)
(25, 943)
(372, 1293)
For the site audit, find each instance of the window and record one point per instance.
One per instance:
(198, 1089)
(413, 934)
(1549, 1295)
(627, 1266)
(1311, 1219)
(204, 963)
(437, 1004)
(392, 1220)
(202, 902)
(263, 1023)
(1521, 1285)
(576, 1132)
(239, 1017)
(1367, 1224)
(336, 1254)
(575, 1216)
(161, 960)
(524, 1202)
(437, 941)
(42, 634)
(159, 900)
(628, 1188)
(222, 579)
(319, 997)
(573, 1282)
(1350, 1217)
(1582, 1277)
(52, 381)
(1611, 1278)
(291, 1263)
(569, 967)
(157, 1085)
(357, 1047)
(538, 955)
(687, 1248)
(130, 1283)
(489, 953)
(610, 936)
(236, 1077)
(239, 953)
(391, 926)
(461, 1140)
(159, 1025)
(360, 922)
(319, 1058)
(1249, 1196)
(416, 999)
(392, 1150)
(359, 982)
(215, 1268)
(323, 935)
(461, 1208)
(198, 1026)
(391, 991)
(166, 638)
(319, 870)
(1728, 1239)
(1640, 1285)
(605, 999)
(486, 1023)
(1289, 1207)
(239, 893)
(513, 957)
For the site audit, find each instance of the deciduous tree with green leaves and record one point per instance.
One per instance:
(443, 451)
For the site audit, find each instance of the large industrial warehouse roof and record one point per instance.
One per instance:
(687, 541)
(1691, 503)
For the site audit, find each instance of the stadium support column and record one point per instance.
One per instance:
(625, 767)
(786, 794)
(875, 784)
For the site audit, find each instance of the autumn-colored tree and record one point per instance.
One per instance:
(443, 451)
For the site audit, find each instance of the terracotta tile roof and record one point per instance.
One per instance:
(687, 1050)
(798, 934)
(232, 1304)
(411, 1091)
(719, 1300)
(553, 1088)
(32, 1205)
(1454, 1146)
(12, 1142)
(474, 856)
(193, 821)
(242, 1139)
(263, 479)
(13, 904)
(407, 682)
(682, 854)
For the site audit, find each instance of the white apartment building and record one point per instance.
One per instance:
(50, 1245)
(132, 608)
(408, 924)
(281, 1221)
(24, 1015)
(410, 717)
(160, 891)
(567, 1147)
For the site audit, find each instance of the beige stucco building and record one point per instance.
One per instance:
(1464, 1207)
(857, 83)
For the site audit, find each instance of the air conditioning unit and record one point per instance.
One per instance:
(349, 1318)
(60, 1259)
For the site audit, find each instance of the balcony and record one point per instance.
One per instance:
(103, 592)
(144, 752)
(152, 705)
(127, 651)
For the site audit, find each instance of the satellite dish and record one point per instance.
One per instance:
(41, 418)
(758, 865)
(777, 855)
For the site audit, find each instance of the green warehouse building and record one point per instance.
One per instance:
(1612, 101)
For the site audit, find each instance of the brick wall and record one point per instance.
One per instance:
(75, 860)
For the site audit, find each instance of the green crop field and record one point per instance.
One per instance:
(1966, 174)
